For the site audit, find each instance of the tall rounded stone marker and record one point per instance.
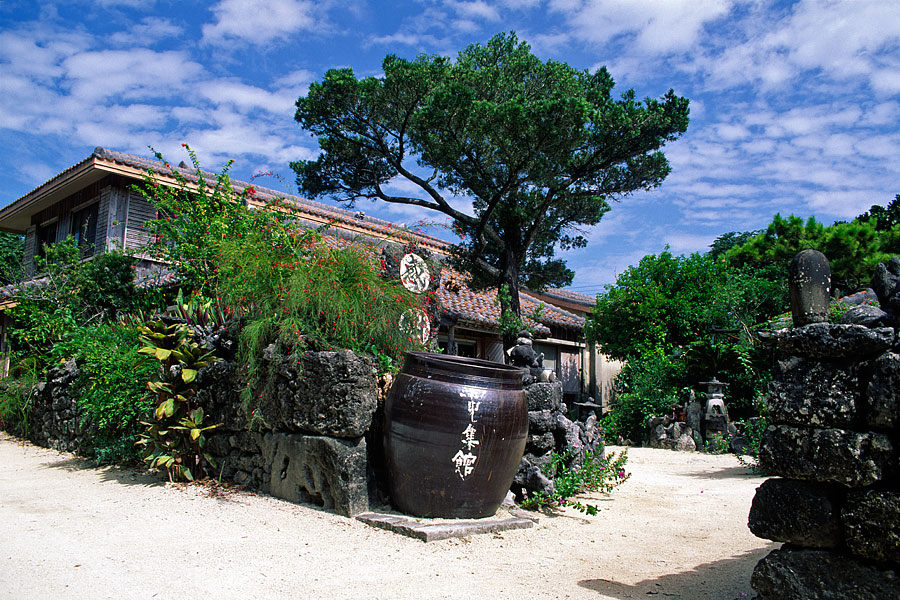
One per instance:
(809, 278)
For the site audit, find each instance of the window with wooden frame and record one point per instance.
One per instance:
(45, 234)
(84, 228)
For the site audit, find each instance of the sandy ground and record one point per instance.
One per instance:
(676, 529)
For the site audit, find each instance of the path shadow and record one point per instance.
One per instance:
(736, 472)
(123, 475)
(702, 582)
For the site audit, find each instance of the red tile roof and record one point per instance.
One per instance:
(482, 307)
(576, 297)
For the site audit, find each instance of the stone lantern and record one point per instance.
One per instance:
(715, 418)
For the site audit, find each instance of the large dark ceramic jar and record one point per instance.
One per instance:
(455, 429)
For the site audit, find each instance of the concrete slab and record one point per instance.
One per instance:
(429, 530)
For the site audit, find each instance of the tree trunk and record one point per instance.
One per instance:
(512, 303)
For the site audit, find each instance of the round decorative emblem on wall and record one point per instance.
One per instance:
(414, 274)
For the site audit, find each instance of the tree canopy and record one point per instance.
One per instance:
(667, 302)
(853, 249)
(887, 217)
(12, 247)
(539, 147)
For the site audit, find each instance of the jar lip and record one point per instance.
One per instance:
(461, 365)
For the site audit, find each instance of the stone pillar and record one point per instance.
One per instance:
(809, 278)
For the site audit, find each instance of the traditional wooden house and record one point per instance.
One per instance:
(96, 202)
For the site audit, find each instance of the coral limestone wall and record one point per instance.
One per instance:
(834, 444)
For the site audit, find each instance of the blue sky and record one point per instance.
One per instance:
(795, 107)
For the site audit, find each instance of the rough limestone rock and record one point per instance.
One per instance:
(809, 281)
(668, 435)
(319, 470)
(694, 415)
(829, 455)
(591, 434)
(871, 521)
(883, 394)
(686, 443)
(218, 395)
(240, 456)
(823, 340)
(541, 421)
(868, 316)
(544, 396)
(324, 393)
(886, 283)
(530, 480)
(540, 443)
(794, 574)
(799, 512)
(56, 420)
(807, 392)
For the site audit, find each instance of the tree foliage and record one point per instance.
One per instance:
(539, 147)
(194, 217)
(69, 293)
(667, 302)
(853, 249)
(887, 217)
(12, 247)
(679, 320)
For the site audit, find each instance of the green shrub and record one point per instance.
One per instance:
(648, 386)
(629, 415)
(598, 473)
(718, 443)
(72, 293)
(111, 389)
(12, 248)
(283, 281)
(106, 288)
(15, 397)
(174, 436)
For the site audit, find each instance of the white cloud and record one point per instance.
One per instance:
(295, 79)
(465, 26)
(880, 146)
(838, 36)
(478, 10)
(37, 51)
(687, 243)
(731, 132)
(886, 81)
(246, 97)
(833, 39)
(37, 171)
(138, 73)
(148, 31)
(400, 38)
(844, 204)
(260, 21)
(549, 43)
(594, 274)
(657, 26)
